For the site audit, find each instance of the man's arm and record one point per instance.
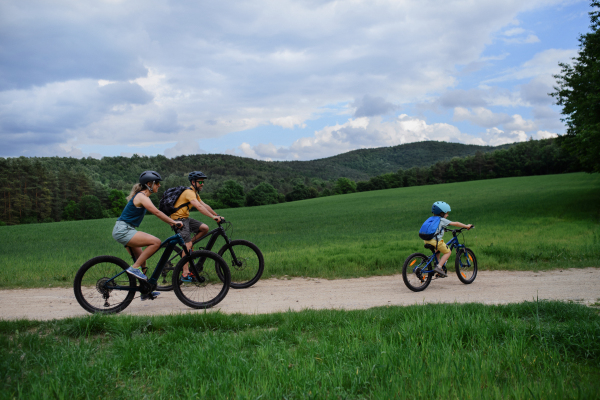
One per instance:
(204, 209)
(208, 208)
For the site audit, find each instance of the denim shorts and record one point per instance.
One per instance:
(123, 232)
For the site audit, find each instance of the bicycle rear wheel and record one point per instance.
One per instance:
(93, 282)
(245, 262)
(207, 288)
(412, 274)
(466, 265)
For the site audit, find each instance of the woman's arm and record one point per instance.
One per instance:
(148, 205)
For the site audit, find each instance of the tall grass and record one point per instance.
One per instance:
(529, 350)
(527, 223)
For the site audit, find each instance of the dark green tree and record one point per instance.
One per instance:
(344, 185)
(262, 194)
(578, 91)
(90, 207)
(301, 192)
(117, 201)
(231, 194)
(71, 212)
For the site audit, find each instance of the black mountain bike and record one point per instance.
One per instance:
(102, 286)
(244, 259)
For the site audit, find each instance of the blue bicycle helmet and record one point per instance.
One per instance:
(440, 207)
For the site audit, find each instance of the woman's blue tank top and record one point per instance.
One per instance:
(131, 214)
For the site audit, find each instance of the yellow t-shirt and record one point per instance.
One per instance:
(186, 197)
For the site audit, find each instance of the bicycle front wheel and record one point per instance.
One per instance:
(245, 262)
(412, 272)
(207, 288)
(95, 281)
(466, 265)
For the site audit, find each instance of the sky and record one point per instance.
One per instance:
(278, 79)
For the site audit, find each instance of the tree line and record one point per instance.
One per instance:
(34, 190)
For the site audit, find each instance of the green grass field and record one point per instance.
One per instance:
(546, 350)
(527, 223)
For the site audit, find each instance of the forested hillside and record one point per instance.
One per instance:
(54, 189)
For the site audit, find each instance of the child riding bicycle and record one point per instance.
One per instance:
(441, 210)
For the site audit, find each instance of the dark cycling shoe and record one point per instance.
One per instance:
(187, 279)
(150, 296)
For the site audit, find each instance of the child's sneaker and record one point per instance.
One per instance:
(137, 273)
(152, 296)
(440, 271)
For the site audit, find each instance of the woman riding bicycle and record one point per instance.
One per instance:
(124, 231)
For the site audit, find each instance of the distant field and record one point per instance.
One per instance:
(527, 223)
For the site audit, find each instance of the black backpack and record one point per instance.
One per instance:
(167, 203)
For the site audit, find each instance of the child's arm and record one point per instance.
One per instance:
(460, 224)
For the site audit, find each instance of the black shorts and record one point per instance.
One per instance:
(190, 228)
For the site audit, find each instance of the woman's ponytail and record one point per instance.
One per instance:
(135, 189)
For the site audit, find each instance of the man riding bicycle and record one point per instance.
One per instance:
(187, 200)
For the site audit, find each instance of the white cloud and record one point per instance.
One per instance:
(481, 116)
(356, 133)
(496, 137)
(142, 71)
(184, 148)
(488, 119)
(542, 66)
(544, 135)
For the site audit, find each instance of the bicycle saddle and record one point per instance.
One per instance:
(430, 247)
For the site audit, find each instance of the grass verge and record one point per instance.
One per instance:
(528, 350)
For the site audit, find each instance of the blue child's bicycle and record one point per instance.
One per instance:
(418, 269)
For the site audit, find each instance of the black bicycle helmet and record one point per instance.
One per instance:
(195, 175)
(149, 176)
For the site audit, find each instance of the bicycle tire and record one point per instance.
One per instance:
(208, 289)
(466, 262)
(90, 292)
(250, 263)
(411, 273)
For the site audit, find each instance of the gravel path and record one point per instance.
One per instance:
(275, 295)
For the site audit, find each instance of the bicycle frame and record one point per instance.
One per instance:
(432, 261)
(214, 236)
(169, 245)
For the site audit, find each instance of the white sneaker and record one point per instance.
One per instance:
(440, 271)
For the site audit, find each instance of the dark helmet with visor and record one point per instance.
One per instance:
(149, 176)
(194, 176)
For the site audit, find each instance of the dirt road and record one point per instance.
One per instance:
(274, 295)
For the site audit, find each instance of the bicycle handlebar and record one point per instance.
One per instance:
(458, 230)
